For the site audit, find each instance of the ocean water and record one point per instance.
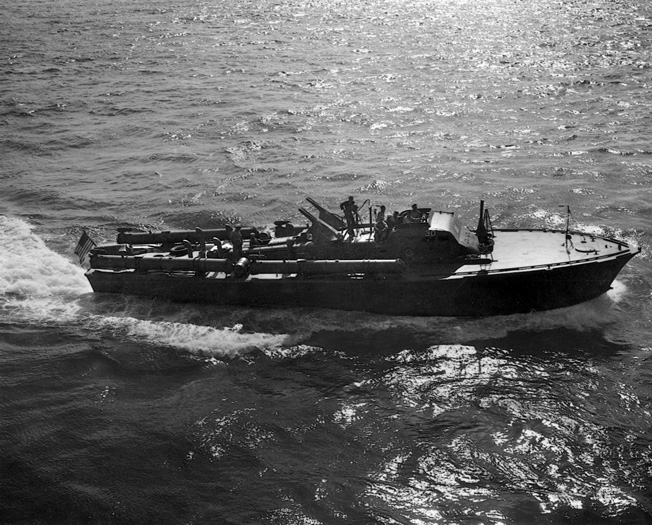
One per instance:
(123, 410)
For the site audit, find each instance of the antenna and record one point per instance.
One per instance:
(567, 235)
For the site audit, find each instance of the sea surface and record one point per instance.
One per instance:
(177, 114)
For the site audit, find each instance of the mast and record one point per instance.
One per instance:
(484, 231)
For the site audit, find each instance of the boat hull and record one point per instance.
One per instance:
(478, 293)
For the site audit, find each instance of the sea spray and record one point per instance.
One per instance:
(199, 340)
(29, 268)
(36, 283)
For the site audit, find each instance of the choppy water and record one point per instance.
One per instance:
(176, 115)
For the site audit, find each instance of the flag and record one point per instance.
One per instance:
(84, 246)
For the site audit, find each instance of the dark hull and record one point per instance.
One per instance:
(476, 294)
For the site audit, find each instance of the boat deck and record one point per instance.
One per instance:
(522, 249)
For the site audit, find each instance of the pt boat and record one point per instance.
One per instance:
(429, 266)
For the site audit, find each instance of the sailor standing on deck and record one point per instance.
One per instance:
(380, 229)
(380, 214)
(350, 210)
(236, 241)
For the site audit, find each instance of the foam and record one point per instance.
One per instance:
(35, 282)
(29, 268)
(617, 292)
(195, 339)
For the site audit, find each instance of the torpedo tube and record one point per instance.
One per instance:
(160, 263)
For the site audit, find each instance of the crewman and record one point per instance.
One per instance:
(414, 215)
(380, 215)
(380, 230)
(236, 241)
(392, 220)
(350, 209)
